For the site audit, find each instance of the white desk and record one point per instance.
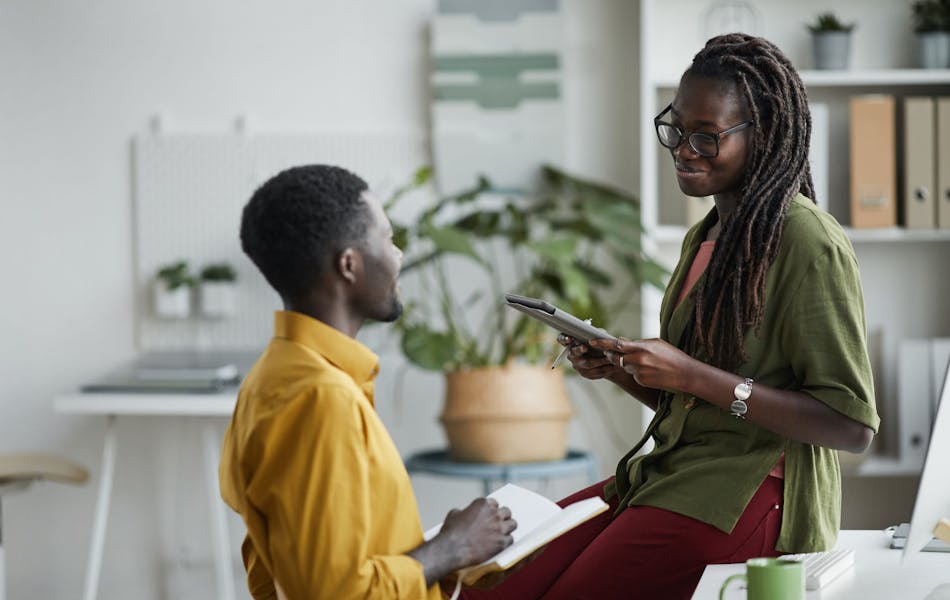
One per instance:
(878, 573)
(113, 405)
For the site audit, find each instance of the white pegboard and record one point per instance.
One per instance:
(189, 190)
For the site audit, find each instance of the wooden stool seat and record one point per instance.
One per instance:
(19, 470)
(28, 467)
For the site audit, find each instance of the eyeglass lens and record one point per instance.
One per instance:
(703, 143)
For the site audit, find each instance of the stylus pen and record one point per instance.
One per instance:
(560, 357)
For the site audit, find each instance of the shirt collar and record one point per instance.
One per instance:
(358, 361)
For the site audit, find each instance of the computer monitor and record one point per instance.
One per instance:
(933, 493)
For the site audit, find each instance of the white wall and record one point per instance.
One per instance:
(77, 81)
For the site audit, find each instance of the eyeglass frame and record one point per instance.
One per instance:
(685, 135)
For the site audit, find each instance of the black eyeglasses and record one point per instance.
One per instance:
(703, 143)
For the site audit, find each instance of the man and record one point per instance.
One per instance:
(308, 464)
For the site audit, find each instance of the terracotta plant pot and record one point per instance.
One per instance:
(517, 413)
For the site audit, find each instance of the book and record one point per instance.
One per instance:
(899, 540)
(539, 522)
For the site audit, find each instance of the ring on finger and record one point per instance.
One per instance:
(621, 360)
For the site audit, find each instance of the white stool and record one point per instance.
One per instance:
(18, 471)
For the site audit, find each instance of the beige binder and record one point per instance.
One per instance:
(942, 197)
(873, 162)
(918, 210)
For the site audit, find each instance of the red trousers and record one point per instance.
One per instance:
(644, 552)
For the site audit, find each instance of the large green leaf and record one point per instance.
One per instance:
(653, 273)
(617, 219)
(428, 349)
(480, 223)
(559, 249)
(575, 283)
(645, 270)
(451, 240)
(421, 177)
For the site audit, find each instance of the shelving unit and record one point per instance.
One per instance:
(904, 272)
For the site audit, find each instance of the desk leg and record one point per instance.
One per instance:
(224, 571)
(106, 474)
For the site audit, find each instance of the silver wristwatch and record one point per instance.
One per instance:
(742, 392)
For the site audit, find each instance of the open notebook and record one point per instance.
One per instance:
(539, 521)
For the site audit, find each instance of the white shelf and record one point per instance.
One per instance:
(668, 234)
(898, 234)
(853, 78)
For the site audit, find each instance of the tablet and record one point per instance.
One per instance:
(558, 319)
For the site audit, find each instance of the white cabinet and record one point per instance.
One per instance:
(906, 274)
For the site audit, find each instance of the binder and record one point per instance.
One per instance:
(917, 194)
(873, 162)
(942, 197)
(914, 418)
(940, 361)
(819, 151)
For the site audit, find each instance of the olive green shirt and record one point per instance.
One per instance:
(707, 464)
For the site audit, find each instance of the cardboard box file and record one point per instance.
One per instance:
(873, 162)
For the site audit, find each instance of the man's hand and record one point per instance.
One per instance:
(468, 537)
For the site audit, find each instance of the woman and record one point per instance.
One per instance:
(761, 370)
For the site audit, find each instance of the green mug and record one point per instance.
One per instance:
(770, 579)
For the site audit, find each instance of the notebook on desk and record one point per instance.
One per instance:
(176, 372)
(899, 539)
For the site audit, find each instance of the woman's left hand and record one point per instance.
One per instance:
(653, 363)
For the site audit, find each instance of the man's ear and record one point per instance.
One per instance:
(349, 264)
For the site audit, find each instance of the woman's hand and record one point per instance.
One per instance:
(590, 365)
(653, 363)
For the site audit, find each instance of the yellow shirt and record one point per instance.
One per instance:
(307, 463)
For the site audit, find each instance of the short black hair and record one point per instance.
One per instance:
(298, 221)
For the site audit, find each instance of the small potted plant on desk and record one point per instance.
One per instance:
(171, 292)
(571, 242)
(831, 41)
(932, 26)
(218, 290)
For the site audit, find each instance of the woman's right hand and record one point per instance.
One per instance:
(589, 363)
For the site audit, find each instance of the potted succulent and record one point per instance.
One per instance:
(171, 291)
(831, 41)
(572, 242)
(217, 290)
(932, 26)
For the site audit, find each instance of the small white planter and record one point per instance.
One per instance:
(933, 50)
(831, 49)
(218, 299)
(171, 304)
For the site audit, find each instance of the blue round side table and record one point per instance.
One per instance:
(438, 462)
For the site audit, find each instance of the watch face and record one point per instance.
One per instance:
(742, 391)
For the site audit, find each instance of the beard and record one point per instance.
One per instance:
(395, 310)
(386, 312)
